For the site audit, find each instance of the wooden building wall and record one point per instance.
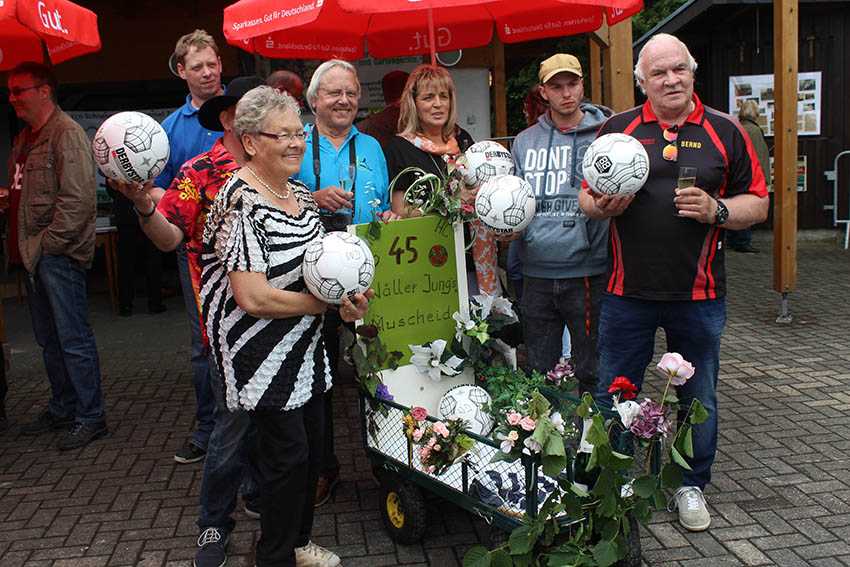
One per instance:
(732, 40)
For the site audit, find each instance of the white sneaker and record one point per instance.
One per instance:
(693, 515)
(312, 555)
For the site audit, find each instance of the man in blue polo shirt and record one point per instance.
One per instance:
(198, 63)
(347, 173)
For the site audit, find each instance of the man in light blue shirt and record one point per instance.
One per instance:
(349, 181)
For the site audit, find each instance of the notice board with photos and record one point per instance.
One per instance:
(760, 89)
(420, 282)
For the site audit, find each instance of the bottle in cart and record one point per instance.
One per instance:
(583, 478)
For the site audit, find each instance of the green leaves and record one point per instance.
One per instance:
(605, 553)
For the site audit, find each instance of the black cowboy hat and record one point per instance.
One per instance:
(209, 111)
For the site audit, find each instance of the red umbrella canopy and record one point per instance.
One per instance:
(394, 28)
(28, 27)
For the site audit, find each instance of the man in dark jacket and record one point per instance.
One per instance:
(563, 252)
(54, 170)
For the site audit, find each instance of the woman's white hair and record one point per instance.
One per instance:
(313, 87)
(255, 105)
(639, 76)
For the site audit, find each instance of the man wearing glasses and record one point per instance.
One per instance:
(666, 267)
(347, 173)
(55, 229)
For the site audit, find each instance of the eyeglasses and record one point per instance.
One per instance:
(286, 136)
(18, 91)
(671, 150)
(337, 94)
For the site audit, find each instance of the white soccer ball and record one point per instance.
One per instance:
(615, 164)
(467, 402)
(131, 147)
(339, 264)
(505, 204)
(484, 161)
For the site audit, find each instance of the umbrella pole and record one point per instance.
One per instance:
(431, 35)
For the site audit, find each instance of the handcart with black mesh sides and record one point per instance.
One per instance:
(502, 493)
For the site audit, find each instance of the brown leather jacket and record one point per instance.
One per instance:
(58, 194)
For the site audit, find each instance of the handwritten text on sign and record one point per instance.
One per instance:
(416, 282)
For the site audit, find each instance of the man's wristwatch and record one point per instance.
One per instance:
(721, 215)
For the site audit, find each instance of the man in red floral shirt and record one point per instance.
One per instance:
(179, 217)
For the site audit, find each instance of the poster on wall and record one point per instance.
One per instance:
(760, 89)
(802, 172)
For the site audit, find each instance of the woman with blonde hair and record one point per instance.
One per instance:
(430, 139)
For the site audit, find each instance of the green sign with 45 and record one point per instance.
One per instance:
(420, 281)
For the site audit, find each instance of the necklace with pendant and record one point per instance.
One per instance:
(285, 195)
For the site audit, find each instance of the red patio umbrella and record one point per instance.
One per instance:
(393, 28)
(58, 28)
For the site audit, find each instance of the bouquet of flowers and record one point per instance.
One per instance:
(439, 444)
(433, 194)
(530, 426)
(649, 421)
(477, 332)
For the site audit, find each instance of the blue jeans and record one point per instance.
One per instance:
(693, 329)
(204, 399)
(58, 304)
(227, 464)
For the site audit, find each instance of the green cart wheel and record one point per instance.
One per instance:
(403, 511)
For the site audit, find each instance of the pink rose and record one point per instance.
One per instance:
(431, 442)
(441, 429)
(437, 447)
(514, 418)
(424, 453)
(674, 366)
(418, 413)
(527, 423)
(431, 469)
(417, 435)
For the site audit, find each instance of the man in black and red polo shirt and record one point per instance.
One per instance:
(666, 261)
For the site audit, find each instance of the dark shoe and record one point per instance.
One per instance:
(81, 434)
(45, 422)
(325, 488)
(125, 311)
(212, 548)
(252, 510)
(156, 309)
(189, 453)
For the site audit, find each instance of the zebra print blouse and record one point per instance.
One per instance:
(264, 363)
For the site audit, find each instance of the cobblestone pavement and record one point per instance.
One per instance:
(780, 493)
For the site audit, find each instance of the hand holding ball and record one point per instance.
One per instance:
(615, 164)
(338, 265)
(505, 204)
(131, 147)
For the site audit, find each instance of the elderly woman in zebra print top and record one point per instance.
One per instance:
(263, 325)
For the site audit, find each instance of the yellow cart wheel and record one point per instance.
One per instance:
(403, 510)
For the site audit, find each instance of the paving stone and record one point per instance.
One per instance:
(780, 493)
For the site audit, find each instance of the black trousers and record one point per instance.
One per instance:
(137, 252)
(548, 305)
(286, 454)
(330, 335)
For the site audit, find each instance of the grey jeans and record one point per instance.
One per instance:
(549, 305)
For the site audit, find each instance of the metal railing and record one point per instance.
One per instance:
(833, 176)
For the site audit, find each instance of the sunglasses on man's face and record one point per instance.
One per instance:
(671, 150)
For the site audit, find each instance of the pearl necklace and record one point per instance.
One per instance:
(262, 181)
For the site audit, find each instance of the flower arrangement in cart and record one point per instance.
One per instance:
(604, 488)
